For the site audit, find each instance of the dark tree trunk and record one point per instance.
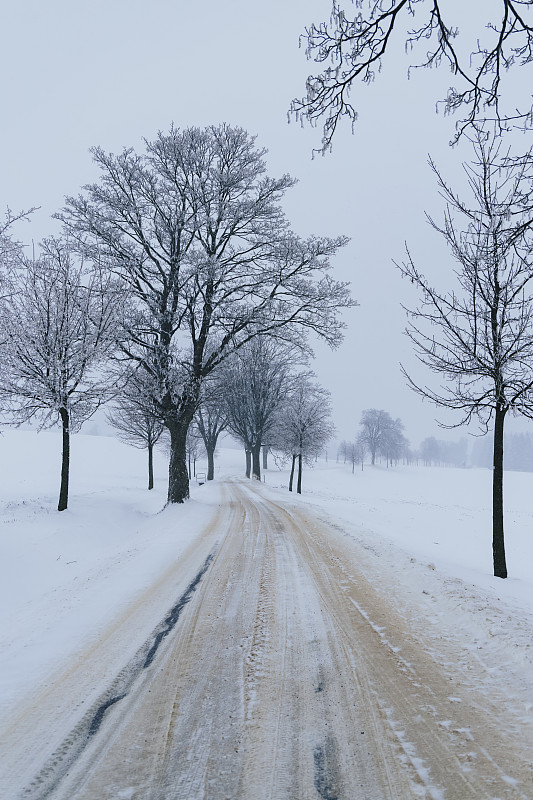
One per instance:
(150, 465)
(299, 484)
(65, 460)
(498, 545)
(210, 463)
(256, 462)
(248, 462)
(178, 478)
(265, 457)
(291, 479)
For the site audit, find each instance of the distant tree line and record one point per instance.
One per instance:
(434, 452)
(518, 452)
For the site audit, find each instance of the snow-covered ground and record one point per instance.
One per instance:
(64, 577)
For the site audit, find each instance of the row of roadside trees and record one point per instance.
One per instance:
(258, 395)
(175, 261)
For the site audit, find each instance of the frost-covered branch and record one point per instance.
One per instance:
(353, 47)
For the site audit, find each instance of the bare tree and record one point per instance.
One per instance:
(194, 449)
(196, 232)
(394, 445)
(136, 420)
(380, 432)
(253, 385)
(304, 425)
(352, 47)
(478, 336)
(58, 326)
(343, 450)
(430, 451)
(353, 452)
(210, 421)
(361, 448)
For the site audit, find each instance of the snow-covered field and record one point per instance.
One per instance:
(65, 577)
(438, 515)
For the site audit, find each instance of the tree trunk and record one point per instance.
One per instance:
(299, 484)
(65, 460)
(150, 466)
(178, 478)
(256, 462)
(265, 457)
(248, 462)
(498, 545)
(292, 473)
(210, 463)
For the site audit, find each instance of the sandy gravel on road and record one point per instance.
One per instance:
(289, 676)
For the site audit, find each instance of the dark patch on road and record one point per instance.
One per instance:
(98, 717)
(66, 755)
(175, 612)
(324, 757)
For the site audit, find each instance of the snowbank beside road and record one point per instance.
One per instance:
(65, 576)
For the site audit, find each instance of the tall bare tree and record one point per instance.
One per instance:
(353, 46)
(195, 229)
(478, 336)
(253, 386)
(303, 425)
(195, 447)
(394, 445)
(58, 326)
(380, 434)
(210, 421)
(136, 419)
(430, 451)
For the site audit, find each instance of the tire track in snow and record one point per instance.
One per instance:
(50, 776)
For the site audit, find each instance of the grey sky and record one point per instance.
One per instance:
(111, 72)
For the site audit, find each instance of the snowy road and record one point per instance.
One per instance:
(281, 672)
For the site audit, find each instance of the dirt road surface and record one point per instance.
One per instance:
(281, 672)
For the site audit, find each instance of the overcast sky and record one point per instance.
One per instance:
(111, 72)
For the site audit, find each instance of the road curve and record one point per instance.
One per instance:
(281, 673)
